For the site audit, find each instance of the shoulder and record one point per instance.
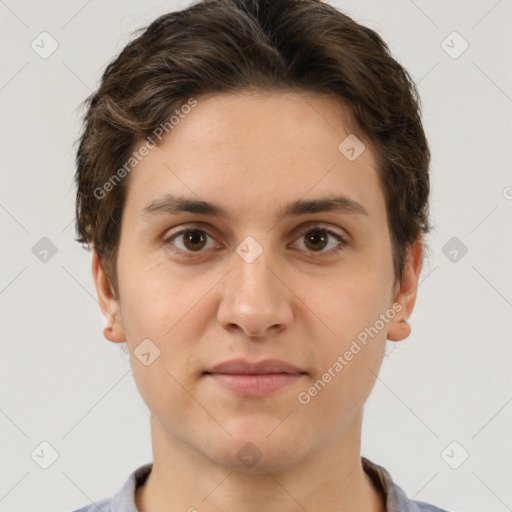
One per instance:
(124, 499)
(398, 501)
(421, 506)
(394, 496)
(99, 506)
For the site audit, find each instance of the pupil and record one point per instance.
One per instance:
(316, 235)
(194, 237)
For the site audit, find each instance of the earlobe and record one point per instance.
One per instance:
(109, 303)
(405, 295)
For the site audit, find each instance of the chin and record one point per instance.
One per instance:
(264, 461)
(252, 449)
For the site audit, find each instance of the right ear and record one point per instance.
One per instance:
(109, 303)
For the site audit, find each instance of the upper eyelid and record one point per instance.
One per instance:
(298, 231)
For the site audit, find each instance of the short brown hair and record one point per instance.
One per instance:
(216, 46)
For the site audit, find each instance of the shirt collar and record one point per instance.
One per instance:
(124, 499)
(394, 497)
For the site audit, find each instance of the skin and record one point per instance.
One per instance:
(300, 302)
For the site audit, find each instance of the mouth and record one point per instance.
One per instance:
(247, 378)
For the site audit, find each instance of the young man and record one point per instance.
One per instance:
(253, 179)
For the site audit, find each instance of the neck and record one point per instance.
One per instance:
(330, 479)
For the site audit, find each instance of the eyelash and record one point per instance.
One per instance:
(320, 254)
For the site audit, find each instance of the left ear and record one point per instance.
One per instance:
(405, 293)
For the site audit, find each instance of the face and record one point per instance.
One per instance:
(268, 276)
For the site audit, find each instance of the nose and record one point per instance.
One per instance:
(256, 298)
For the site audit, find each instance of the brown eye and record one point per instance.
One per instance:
(318, 238)
(194, 240)
(189, 241)
(317, 241)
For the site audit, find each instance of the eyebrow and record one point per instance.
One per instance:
(172, 204)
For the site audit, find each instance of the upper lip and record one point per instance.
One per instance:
(243, 366)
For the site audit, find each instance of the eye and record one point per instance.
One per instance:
(317, 238)
(192, 241)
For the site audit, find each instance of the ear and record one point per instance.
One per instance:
(109, 303)
(405, 293)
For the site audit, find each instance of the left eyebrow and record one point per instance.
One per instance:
(340, 204)
(173, 204)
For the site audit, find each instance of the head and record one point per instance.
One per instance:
(253, 110)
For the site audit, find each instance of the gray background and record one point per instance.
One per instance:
(64, 384)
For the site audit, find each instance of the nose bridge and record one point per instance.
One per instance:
(255, 282)
(254, 298)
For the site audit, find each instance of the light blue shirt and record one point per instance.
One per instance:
(394, 497)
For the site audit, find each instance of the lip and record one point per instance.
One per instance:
(247, 378)
(245, 367)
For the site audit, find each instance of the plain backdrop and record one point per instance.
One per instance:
(442, 395)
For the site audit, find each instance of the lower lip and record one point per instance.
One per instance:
(255, 385)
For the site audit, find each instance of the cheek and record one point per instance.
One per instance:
(355, 316)
(156, 297)
(356, 312)
(344, 380)
(160, 388)
(351, 302)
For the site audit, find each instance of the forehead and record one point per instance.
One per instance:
(255, 152)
